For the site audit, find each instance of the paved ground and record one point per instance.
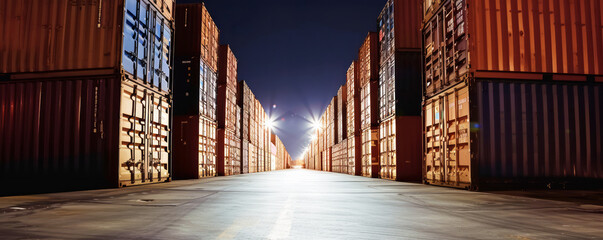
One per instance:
(296, 204)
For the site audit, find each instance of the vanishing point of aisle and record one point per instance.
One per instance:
(294, 204)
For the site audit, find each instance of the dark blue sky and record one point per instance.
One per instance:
(294, 53)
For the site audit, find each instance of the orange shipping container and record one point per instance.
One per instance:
(64, 35)
(368, 59)
(340, 118)
(561, 37)
(370, 152)
(197, 35)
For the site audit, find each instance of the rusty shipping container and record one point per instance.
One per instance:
(63, 131)
(228, 153)
(45, 36)
(521, 130)
(244, 102)
(330, 123)
(197, 35)
(553, 37)
(400, 92)
(341, 109)
(369, 106)
(370, 152)
(353, 119)
(195, 90)
(368, 59)
(340, 157)
(327, 158)
(355, 155)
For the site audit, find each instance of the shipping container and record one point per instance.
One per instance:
(244, 156)
(369, 82)
(228, 153)
(400, 152)
(353, 101)
(399, 25)
(353, 109)
(531, 36)
(368, 59)
(197, 35)
(330, 123)
(355, 155)
(519, 130)
(133, 36)
(400, 92)
(340, 157)
(93, 129)
(194, 147)
(253, 158)
(341, 109)
(327, 157)
(195, 93)
(370, 152)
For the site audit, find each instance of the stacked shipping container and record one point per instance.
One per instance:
(400, 90)
(368, 63)
(228, 135)
(195, 92)
(95, 115)
(525, 107)
(353, 118)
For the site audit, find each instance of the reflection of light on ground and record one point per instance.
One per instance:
(297, 167)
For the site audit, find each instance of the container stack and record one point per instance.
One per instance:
(330, 135)
(353, 118)
(525, 106)
(195, 78)
(400, 90)
(368, 63)
(228, 135)
(245, 102)
(93, 116)
(340, 150)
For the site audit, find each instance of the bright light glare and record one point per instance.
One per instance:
(316, 125)
(269, 124)
(313, 137)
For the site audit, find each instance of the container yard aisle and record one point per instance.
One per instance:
(295, 204)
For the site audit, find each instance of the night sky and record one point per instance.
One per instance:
(294, 53)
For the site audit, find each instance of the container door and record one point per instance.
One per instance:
(144, 135)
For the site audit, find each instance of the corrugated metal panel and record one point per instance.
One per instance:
(245, 157)
(197, 35)
(342, 130)
(63, 131)
(194, 88)
(340, 157)
(561, 36)
(194, 154)
(399, 25)
(60, 35)
(368, 59)
(370, 153)
(519, 132)
(400, 152)
(227, 67)
(529, 36)
(42, 36)
(80, 132)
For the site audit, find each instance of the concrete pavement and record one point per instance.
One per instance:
(296, 204)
